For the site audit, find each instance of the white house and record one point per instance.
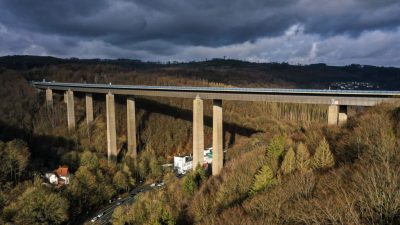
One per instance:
(59, 177)
(53, 179)
(182, 164)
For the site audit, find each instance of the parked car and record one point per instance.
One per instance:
(100, 215)
(93, 219)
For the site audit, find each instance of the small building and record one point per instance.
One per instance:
(182, 164)
(58, 177)
(63, 175)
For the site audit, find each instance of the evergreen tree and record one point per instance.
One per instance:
(289, 162)
(303, 162)
(323, 157)
(276, 146)
(274, 151)
(263, 179)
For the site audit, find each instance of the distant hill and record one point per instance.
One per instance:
(234, 72)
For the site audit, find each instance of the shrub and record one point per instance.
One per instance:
(188, 184)
(193, 180)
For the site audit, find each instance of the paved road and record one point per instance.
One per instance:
(108, 211)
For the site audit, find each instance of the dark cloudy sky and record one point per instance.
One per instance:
(335, 32)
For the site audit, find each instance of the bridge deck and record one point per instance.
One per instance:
(306, 96)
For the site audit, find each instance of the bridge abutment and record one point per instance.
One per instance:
(89, 108)
(69, 98)
(218, 157)
(198, 132)
(111, 129)
(131, 127)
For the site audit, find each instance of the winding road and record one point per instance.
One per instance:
(106, 213)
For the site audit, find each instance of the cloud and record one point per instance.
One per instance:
(298, 31)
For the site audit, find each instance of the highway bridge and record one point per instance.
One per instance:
(337, 101)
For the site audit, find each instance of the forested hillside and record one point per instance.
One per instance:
(283, 164)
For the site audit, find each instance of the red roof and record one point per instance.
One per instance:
(62, 171)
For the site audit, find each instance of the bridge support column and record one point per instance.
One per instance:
(131, 126)
(198, 132)
(89, 108)
(49, 98)
(342, 119)
(70, 109)
(111, 130)
(333, 113)
(218, 153)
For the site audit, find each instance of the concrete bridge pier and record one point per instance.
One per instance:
(342, 118)
(337, 114)
(111, 129)
(49, 98)
(333, 113)
(69, 98)
(218, 153)
(198, 132)
(131, 127)
(89, 108)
